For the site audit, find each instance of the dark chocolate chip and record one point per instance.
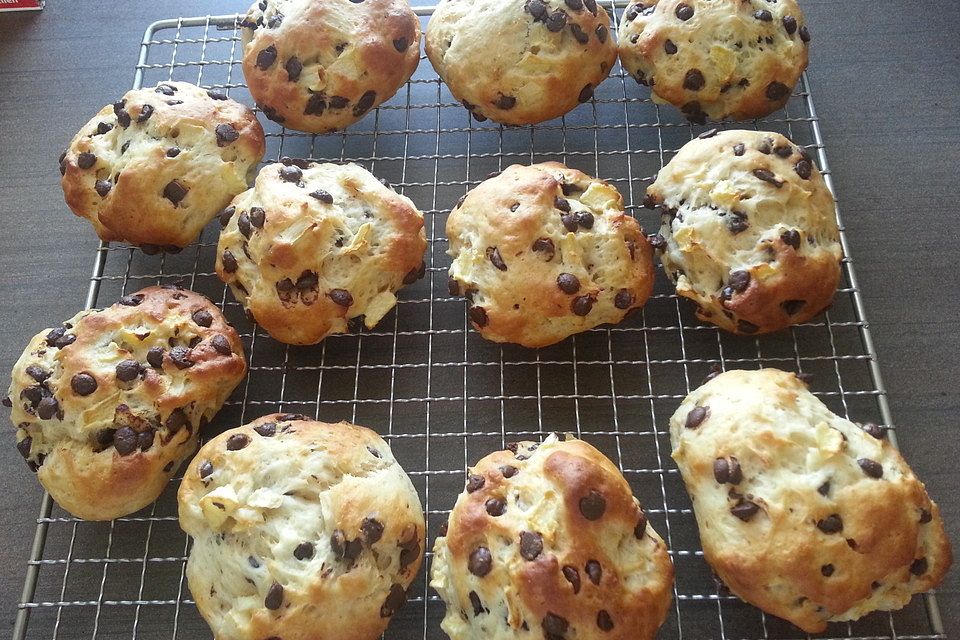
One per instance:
(739, 281)
(694, 80)
(267, 429)
(338, 102)
(531, 545)
(793, 307)
(103, 127)
(293, 68)
(576, 5)
(875, 430)
(103, 187)
(568, 283)
(591, 6)
(554, 626)
(145, 439)
(623, 300)
(303, 551)
(593, 505)
(727, 470)
(826, 570)
(37, 373)
(763, 15)
(475, 602)
(177, 420)
(573, 577)
(871, 468)
(202, 317)
(341, 297)
(266, 57)
(594, 571)
(767, 176)
(216, 94)
(181, 357)
(127, 370)
(7, 402)
(125, 441)
(372, 530)
(364, 103)
(495, 507)
(145, 112)
(508, 471)
(123, 118)
(601, 32)
(24, 446)
(783, 151)
(155, 357)
(493, 255)
(85, 160)
(585, 94)
(257, 217)
(479, 316)
(397, 595)
(745, 509)
(316, 105)
(669, 46)
(641, 527)
(790, 24)
(480, 562)
(830, 524)
(401, 44)
(696, 417)
(791, 238)
(33, 395)
(824, 489)
(537, 9)
(585, 219)
(48, 407)
(739, 149)
(580, 36)
(684, 11)
(290, 173)
(274, 597)
(475, 482)
(582, 305)
(237, 441)
(205, 469)
(556, 21)
(132, 300)
(505, 102)
(804, 34)
(604, 621)
(804, 169)
(569, 221)
(919, 566)
(777, 91)
(226, 134)
(175, 191)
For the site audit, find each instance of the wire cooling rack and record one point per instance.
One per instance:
(439, 394)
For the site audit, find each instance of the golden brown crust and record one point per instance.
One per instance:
(520, 62)
(328, 243)
(118, 169)
(321, 66)
(750, 231)
(279, 491)
(842, 526)
(719, 59)
(551, 555)
(108, 436)
(516, 293)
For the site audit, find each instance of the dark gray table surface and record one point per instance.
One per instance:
(886, 79)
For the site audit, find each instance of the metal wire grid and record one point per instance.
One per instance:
(438, 393)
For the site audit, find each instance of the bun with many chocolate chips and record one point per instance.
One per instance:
(717, 59)
(109, 404)
(520, 61)
(320, 66)
(803, 513)
(317, 249)
(155, 167)
(749, 230)
(543, 252)
(301, 530)
(547, 541)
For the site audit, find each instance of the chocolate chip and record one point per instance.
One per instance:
(777, 91)
(824, 489)
(266, 57)
(123, 118)
(125, 441)
(591, 6)
(165, 89)
(830, 524)
(205, 469)
(576, 5)
(554, 626)
(475, 482)
(216, 94)
(226, 134)
(783, 151)
(594, 571)
(537, 9)
(202, 317)
(83, 384)
(475, 602)
(696, 417)
(493, 255)
(505, 102)
(790, 24)
(181, 357)
(791, 238)
(745, 509)
(604, 621)
(341, 297)
(669, 46)
(569, 222)
(267, 429)
(316, 105)
(585, 94)
(495, 507)
(175, 192)
(274, 595)
(33, 395)
(579, 35)
(641, 527)
(24, 446)
(293, 68)
(601, 32)
(397, 595)
(767, 176)
(127, 370)
(739, 281)
(229, 262)
(103, 187)
(480, 562)
(145, 439)
(918, 567)
(237, 441)
(479, 316)
(593, 505)
(145, 112)
(763, 15)
(177, 420)
(623, 300)
(568, 283)
(401, 44)
(546, 246)
(59, 338)
(155, 357)
(573, 577)
(37, 373)
(415, 274)
(925, 516)
(684, 12)
(694, 80)
(556, 21)
(804, 169)
(364, 103)
(7, 402)
(290, 173)
(727, 470)
(804, 34)
(871, 468)
(103, 127)
(85, 160)
(745, 326)
(585, 219)
(739, 149)
(582, 305)
(338, 102)
(793, 307)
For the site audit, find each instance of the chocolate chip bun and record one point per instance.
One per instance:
(749, 231)
(155, 167)
(717, 59)
(321, 66)
(520, 61)
(543, 252)
(109, 404)
(301, 530)
(314, 246)
(802, 513)
(547, 541)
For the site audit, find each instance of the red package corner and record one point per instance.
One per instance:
(21, 5)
